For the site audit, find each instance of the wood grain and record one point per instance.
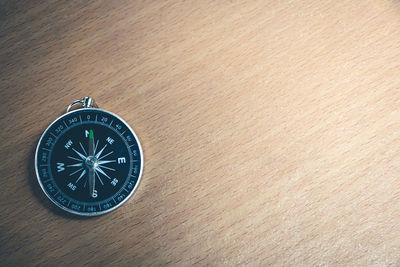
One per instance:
(270, 129)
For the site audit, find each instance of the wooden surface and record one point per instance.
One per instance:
(270, 129)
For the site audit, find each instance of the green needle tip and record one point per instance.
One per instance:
(91, 134)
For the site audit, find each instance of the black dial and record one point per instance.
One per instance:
(89, 161)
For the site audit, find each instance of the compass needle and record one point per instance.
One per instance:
(92, 163)
(88, 161)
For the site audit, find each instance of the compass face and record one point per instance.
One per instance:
(89, 162)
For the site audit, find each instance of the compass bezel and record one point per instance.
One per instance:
(93, 213)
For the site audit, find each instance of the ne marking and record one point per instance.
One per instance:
(53, 135)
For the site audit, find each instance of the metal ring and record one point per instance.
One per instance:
(87, 102)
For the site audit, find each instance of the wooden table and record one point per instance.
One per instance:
(270, 129)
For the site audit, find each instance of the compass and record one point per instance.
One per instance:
(88, 161)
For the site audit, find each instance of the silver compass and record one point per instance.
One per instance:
(88, 161)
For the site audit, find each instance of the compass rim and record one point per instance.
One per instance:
(94, 213)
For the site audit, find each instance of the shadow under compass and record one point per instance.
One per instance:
(40, 195)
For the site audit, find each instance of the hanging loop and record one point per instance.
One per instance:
(86, 102)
